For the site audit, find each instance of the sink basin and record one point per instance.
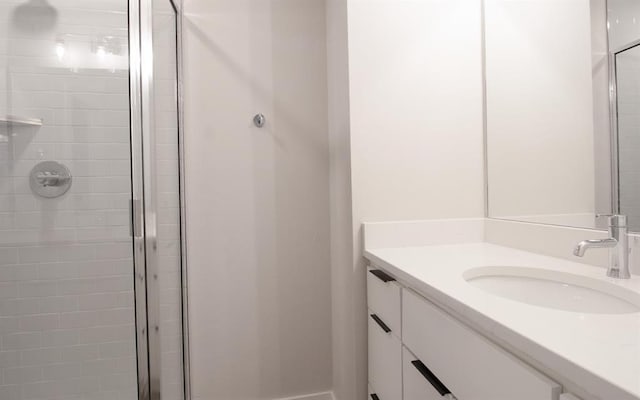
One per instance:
(554, 289)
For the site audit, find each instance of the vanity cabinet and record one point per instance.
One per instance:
(383, 298)
(432, 355)
(385, 346)
(472, 367)
(419, 383)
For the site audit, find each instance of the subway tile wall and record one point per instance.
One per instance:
(66, 281)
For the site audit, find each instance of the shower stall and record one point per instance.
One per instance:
(92, 262)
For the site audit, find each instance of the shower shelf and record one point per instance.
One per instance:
(11, 120)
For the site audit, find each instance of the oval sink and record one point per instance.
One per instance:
(554, 289)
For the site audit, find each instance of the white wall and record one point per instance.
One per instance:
(539, 107)
(344, 364)
(257, 199)
(415, 108)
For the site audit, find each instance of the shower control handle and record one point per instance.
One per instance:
(51, 178)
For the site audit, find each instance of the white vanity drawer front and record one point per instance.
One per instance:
(372, 394)
(385, 362)
(472, 367)
(383, 298)
(568, 396)
(415, 385)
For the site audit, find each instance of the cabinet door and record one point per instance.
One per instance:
(385, 362)
(472, 367)
(414, 383)
(383, 298)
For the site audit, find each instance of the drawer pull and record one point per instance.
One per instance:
(429, 376)
(382, 324)
(374, 396)
(384, 277)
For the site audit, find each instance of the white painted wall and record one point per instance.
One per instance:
(539, 107)
(344, 365)
(415, 109)
(257, 199)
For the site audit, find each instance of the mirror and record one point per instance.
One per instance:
(563, 110)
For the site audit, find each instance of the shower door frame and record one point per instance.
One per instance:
(144, 208)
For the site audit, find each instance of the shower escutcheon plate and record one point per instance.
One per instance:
(50, 179)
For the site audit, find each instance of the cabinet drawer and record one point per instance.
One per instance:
(372, 394)
(383, 298)
(385, 362)
(472, 367)
(568, 396)
(414, 384)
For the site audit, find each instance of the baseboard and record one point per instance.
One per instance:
(313, 396)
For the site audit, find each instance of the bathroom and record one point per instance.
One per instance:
(319, 199)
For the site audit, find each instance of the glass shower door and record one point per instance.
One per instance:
(91, 281)
(67, 317)
(162, 204)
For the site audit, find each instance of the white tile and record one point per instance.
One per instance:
(20, 341)
(40, 356)
(80, 353)
(19, 375)
(43, 322)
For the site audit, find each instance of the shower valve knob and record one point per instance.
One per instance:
(50, 179)
(259, 120)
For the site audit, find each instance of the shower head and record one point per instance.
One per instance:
(35, 16)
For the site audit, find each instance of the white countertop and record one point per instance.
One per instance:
(598, 352)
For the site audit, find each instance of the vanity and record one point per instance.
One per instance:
(515, 305)
(476, 320)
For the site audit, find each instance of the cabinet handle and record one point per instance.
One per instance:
(380, 323)
(383, 276)
(429, 376)
(374, 396)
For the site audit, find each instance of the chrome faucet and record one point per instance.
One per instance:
(618, 245)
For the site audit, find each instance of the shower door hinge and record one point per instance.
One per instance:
(137, 219)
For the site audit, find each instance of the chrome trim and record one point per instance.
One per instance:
(137, 193)
(186, 366)
(485, 109)
(150, 201)
(613, 123)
